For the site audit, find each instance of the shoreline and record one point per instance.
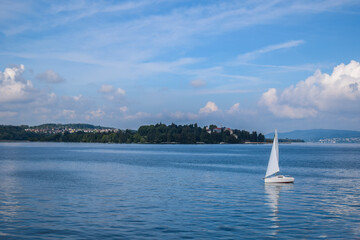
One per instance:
(147, 143)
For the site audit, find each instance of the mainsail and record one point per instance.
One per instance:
(273, 165)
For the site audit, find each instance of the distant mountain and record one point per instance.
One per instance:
(70, 125)
(316, 135)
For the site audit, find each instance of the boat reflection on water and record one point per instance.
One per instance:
(272, 192)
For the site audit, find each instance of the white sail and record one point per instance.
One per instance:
(273, 165)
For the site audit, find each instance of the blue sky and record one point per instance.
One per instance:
(255, 65)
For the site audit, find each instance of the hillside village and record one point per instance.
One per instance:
(70, 128)
(56, 130)
(340, 140)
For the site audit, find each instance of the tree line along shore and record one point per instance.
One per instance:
(155, 134)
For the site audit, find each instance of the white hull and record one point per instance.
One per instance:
(280, 179)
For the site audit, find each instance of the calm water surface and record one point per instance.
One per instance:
(97, 191)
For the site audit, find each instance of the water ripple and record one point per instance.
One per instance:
(97, 191)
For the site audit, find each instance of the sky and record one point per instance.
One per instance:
(253, 65)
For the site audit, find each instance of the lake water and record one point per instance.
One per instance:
(97, 191)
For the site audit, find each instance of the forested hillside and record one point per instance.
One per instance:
(159, 133)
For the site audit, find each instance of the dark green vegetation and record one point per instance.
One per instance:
(159, 133)
(13, 133)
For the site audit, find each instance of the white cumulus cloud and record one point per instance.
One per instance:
(197, 83)
(319, 93)
(209, 107)
(120, 91)
(124, 109)
(98, 113)
(110, 92)
(50, 76)
(106, 88)
(77, 98)
(69, 113)
(234, 108)
(13, 88)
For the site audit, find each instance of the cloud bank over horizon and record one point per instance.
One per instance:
(320, 93)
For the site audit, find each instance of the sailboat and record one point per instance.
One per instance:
(273, 166)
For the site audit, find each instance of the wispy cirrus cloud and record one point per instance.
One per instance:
(154, 30)
(310, 67)
(244, 58)
(223, 91)
(127, 68)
